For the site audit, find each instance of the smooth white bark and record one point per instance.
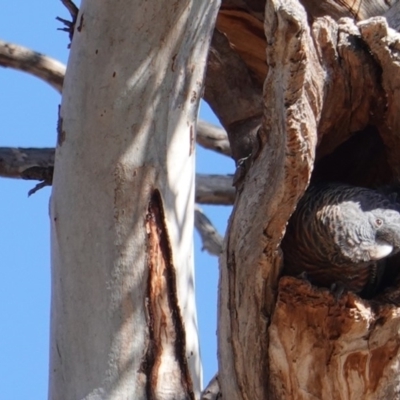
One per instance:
(129, 108)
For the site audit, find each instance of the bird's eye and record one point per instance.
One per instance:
(378, 222)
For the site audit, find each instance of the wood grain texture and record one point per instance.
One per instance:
(344, 349)
(330, 95)
(252, 259)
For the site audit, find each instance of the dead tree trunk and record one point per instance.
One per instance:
(123, 319)
(331, 101)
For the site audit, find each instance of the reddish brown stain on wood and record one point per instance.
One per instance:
(164, 315)
(246, 35)
(343, 344)
(356, 363)
(378, 362)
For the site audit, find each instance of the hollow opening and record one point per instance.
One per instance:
(359, 161)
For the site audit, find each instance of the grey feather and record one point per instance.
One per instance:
(339, 234)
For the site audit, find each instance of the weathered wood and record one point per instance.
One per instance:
(233, 95)
(246, 35)
(357, 9)
(332, 88)
(323, 348)
(351, 83)
(251, 262)
(241, 22)
(15, 160)
(331, 103)
(254, 7)
(383, 43)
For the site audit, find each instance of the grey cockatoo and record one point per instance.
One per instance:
(341, 234)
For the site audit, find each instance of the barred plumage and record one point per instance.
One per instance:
(341, 234)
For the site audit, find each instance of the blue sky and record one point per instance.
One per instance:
(28, 118)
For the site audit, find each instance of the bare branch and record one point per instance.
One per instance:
(37, 187)
(213, 137)
(69, 26)
(15, 162)
(212, 240)
(214, 189)
(37, 64)
(72, 8)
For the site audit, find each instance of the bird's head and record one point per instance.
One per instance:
(386, 225)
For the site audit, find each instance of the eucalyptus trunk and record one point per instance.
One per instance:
(123, 316)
